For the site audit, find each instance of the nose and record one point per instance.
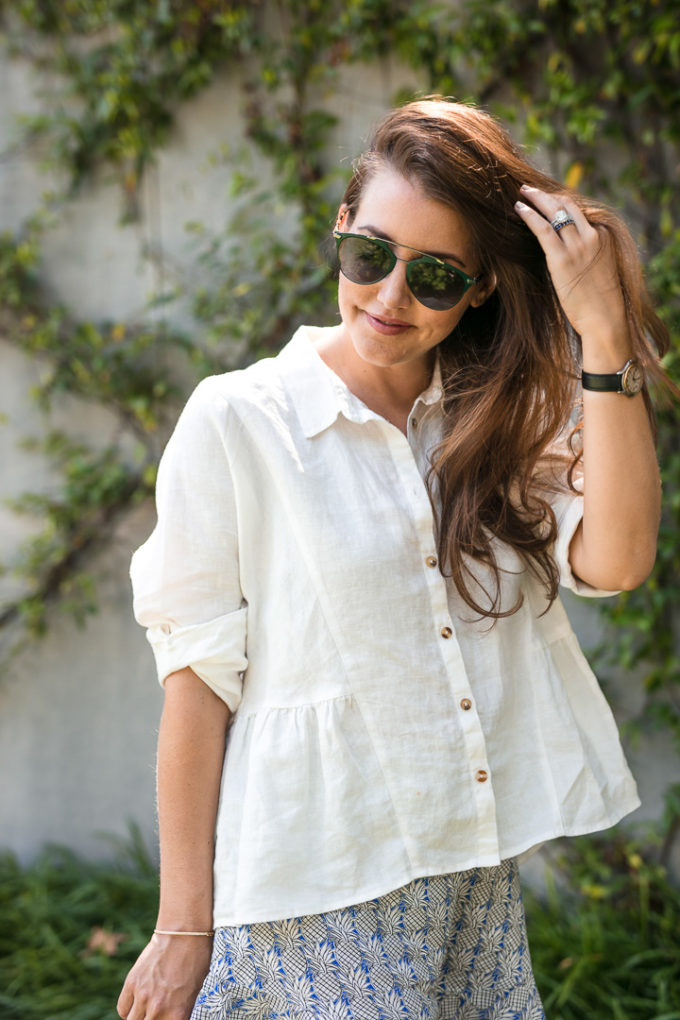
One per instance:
(394, 290)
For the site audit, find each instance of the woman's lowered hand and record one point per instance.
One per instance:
(165, 980)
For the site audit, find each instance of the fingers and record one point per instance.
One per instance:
(580, 259)
(124, 1004)
(544, 208)
(548, 204)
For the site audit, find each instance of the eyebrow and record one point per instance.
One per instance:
(434, 254)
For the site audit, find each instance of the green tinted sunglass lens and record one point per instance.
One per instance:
(364, 261)
(434, 285)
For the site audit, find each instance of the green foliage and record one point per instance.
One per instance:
(607, 947)
(124, 67)
(70, 930)
(113, 365)
(95, 488)
(261, 293)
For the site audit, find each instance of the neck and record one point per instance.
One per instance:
(389, 390)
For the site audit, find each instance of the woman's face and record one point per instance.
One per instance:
(384, 323)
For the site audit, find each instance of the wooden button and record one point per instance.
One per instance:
(466, 704)
(481, 776)
(431, 561)
(446, 632)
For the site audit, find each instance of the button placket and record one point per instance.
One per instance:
(470, 725)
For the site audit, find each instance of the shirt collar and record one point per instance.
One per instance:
(435, 391)
(319, 395)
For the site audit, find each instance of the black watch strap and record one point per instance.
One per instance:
(603, 383)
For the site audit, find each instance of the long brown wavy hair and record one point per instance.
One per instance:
(511, 366)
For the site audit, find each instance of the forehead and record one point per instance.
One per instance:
(400, 209)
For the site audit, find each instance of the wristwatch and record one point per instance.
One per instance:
(629, 380)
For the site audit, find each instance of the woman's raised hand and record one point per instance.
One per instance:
(581, 262)
(615, 545)
(165, 980)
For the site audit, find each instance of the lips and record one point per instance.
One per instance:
(388, 327)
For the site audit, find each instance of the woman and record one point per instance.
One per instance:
(355, 569)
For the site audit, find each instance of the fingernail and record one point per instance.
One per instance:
(521, 205)
(525, 187)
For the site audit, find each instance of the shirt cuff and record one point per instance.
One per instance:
(214, 650)
(567, 529)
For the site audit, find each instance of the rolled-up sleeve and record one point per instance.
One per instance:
(185, 578)
(568, 509)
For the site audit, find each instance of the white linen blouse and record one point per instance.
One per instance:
(379, 733)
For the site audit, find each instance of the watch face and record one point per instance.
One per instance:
(632, 379)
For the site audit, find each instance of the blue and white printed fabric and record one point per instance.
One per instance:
(449, 947)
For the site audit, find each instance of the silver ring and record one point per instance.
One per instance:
(560, 219)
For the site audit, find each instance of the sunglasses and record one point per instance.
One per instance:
(434, 283)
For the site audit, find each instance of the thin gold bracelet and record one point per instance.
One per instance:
(160, 931)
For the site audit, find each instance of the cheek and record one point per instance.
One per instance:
(451, 318)
(349, 290)
(442, 323)
(351, 295)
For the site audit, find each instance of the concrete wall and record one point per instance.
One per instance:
(79, 710)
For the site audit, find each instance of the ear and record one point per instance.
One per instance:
(342, 217)
(484, 291)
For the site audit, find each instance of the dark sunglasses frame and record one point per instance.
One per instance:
(380, 242)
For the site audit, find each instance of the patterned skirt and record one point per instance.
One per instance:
(451, 947)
